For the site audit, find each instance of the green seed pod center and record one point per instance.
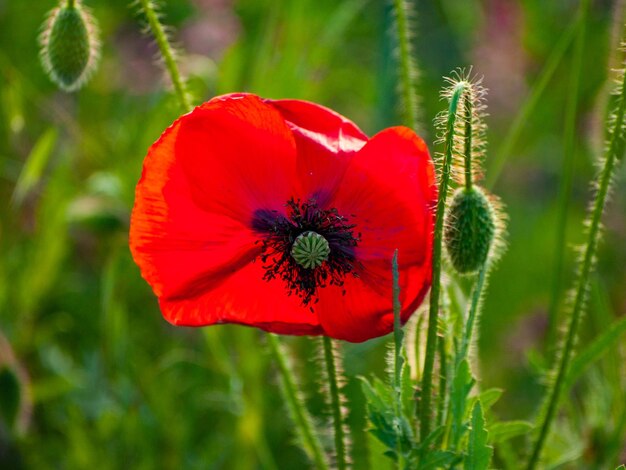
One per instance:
(310, 250)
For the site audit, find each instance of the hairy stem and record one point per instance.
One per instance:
(468, 108)
(298, 411)
(433, 313)
(466, 340)
(167, 53)
(615, 149)
(398, 339)
(335, 402)
(407, 64)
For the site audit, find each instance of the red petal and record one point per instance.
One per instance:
(239, 156)
(245, 298)
(325, 141)
(201, 184)
(362, 308)
(178, 245)
(389, 192)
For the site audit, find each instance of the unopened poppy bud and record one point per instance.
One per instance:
(470, 229)
(69, 46)
(310, 250)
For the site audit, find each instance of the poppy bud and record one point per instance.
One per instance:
(69, 46)
(470, 229)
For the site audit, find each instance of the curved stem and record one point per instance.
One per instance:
(615, 149)
(335, 402)
(298, 412)
(167, 53)
(468, 105)
(433, 313)
(407, 65)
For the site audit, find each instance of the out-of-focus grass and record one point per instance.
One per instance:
(113, 384)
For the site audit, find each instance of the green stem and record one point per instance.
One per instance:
(298, 411)
(335, 402)
(468, 143)
(443, 380)
(433, 313)
(398, 337)
(565, 188)
(407, 66)
(466, 340)
(614, 151)
(71, 3)
(167, 53)
(524, 115)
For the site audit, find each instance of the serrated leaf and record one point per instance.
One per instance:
(478, 452)
(505, 430)
(35, 165)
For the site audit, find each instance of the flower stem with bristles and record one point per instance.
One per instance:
(398, 339)
(335, 402)
(167, 53)
(466, 340)
(614, 151)
(469, 116)
(298, 411)
(433, 314)
(408, 70)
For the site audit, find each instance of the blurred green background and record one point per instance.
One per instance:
(106, 382)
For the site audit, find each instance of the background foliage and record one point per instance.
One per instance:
(107, 383)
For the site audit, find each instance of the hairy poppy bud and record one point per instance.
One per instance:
(470, 229)
(69, 46)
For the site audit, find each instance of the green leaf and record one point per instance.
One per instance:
(35, 165)
(10, 397)
(380, 399)
(505, 430)
(438, 459)
(489, 397)
(594, 351)
(478, 452)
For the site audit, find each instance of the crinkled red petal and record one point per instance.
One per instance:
(191, 229)
(389, 191)
(325, 141)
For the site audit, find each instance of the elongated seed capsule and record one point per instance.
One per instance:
(69, 45)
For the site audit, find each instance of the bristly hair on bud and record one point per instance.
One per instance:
(474, 223)
(70, 48)
(469, 140)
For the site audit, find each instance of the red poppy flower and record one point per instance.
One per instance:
(283, 215)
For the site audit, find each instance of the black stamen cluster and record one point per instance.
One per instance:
(279, 234)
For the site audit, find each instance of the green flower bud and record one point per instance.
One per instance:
(69, 46)
(470, 230)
